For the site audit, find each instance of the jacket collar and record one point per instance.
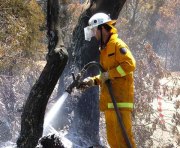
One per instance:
(113, 37)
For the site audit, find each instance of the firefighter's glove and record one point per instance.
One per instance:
(86, 83)
(104, 76)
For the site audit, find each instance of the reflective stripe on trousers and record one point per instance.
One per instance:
(121, 105)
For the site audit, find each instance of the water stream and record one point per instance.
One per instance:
(52, 114)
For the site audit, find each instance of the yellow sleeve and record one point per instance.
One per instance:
(126, 62)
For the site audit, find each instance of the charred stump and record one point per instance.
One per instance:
(32, 118)
(50, 141)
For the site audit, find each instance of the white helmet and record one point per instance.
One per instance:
(96, 20)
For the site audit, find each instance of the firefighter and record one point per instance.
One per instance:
(119, 64)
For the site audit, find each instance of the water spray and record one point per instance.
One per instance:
(52, 114)
(76, 82)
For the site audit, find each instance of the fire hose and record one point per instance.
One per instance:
(78, 79)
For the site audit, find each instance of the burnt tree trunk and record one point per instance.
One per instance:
(32, 118)
(84, 130)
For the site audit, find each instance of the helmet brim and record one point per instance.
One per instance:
(112, 22)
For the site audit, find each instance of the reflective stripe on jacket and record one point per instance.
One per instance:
(116, 58)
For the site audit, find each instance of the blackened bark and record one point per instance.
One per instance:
(85, 125)
(112, 7)
(32, 118)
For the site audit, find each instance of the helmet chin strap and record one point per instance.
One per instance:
(102, 43)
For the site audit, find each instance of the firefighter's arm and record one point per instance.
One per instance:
(126, 63)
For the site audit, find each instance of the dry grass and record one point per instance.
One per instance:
(19, 30)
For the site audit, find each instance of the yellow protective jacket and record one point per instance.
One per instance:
(116, 58)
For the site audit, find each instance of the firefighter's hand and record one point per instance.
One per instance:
(86, 83)
(104, 76)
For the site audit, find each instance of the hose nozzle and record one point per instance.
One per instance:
(75, 83)
(77, 80)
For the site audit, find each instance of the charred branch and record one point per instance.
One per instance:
(32, 118)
